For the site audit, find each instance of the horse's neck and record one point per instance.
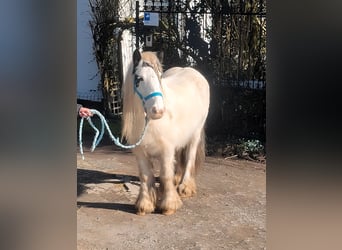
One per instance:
(167, 91)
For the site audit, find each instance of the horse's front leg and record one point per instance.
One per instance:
(147, 198)
(170, 200)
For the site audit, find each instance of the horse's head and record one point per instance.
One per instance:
(147, 83)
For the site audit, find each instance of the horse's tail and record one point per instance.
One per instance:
(200, 154)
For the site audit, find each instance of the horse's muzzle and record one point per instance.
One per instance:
(156, 113)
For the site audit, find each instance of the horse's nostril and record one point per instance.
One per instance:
(157, 111)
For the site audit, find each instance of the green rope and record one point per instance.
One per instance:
(99, 135)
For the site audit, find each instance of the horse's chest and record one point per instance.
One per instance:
(152, 150)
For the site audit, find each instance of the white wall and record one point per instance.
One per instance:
(87, 81)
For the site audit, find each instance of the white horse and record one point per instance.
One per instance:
(176, 104)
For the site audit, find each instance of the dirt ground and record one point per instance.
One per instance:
(228, 211)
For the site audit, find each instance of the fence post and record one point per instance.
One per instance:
(137, 24)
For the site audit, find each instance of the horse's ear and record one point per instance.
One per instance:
(136, 57)
(160, 56)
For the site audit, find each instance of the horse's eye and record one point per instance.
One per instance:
(138, 79)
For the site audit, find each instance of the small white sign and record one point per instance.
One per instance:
(151, 19)
(149, 41)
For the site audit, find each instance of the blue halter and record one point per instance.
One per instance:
(144, 99)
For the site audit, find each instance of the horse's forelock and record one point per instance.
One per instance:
(151, 59)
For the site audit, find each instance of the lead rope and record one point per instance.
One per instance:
(99, 135)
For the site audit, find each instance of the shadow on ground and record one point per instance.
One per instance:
(85, 176)
(128, 208)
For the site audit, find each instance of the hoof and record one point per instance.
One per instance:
(186, 191)
(169, 206)
(169, 212)
(144, 206)
(141, 213)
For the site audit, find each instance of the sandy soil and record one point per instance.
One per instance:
(228, 211)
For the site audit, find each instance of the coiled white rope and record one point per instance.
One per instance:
(99, 135)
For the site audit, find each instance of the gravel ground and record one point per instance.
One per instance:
(228, 211)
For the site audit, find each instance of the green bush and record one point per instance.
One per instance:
(249, 147)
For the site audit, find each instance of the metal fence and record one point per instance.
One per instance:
(226, 41)
(91, 95)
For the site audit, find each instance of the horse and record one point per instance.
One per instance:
(176, 104)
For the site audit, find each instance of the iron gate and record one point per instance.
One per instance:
(226, 41)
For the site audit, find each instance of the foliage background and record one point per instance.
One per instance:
(231, 54)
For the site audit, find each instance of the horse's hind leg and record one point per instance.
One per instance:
(195, 156)
(179, 166)
(147, 198)
(170, 200)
